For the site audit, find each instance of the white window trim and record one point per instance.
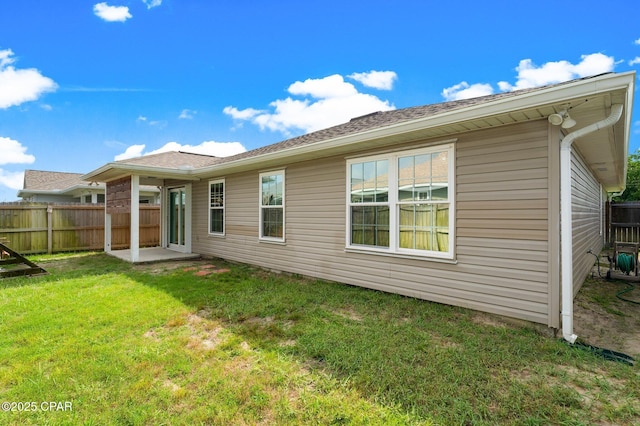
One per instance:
(393, 204)
(261, 206)
(223, 208)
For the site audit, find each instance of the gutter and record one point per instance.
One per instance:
(566, 226)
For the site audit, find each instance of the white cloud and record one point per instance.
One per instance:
(187, 114)
(634, 61)
(130, 152)
(218, 149)
(5, 58)
(161, 124)
(465, 91)
(637, 41)
(245, 114)
(13, 180)
(114, 144)
(152, 3)
(382, 80)
(330, 101)
(332, 86)
(111, 13)
(20, 85)
(531, 75)
(14, 153)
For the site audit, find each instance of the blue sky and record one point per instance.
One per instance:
(83, 83)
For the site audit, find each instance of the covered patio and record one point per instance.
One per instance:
(172, 174)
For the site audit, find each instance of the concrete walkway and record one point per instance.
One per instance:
(153, 254)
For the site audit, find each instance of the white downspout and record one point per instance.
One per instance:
(566, 226)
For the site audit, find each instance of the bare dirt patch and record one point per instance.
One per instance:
(260, 320)
(157, 268)
(488, 319)
(348, 313)
(602, 319)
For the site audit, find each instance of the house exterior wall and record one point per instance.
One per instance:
(588, 205)
(502, 202)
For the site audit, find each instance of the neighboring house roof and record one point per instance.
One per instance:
(50, 181)
(41, 182)
(590, 99)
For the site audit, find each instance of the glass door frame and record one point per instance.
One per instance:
(182, 241)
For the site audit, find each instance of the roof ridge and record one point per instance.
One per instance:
(197, 153)
(164, 153)
(53, 171)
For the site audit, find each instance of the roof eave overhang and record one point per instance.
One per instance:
(27, 192)
(113, 171)
(532, 100)
(550, 97)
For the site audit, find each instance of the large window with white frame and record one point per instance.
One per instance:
(402, 202)
(272, 201)
(216, 207)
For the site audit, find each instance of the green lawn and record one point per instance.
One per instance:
(113, 343)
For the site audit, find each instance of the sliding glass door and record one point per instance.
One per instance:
(177, 218)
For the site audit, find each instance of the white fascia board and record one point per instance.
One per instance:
(539, 98)
(81, 186)
(27, 192)
(136, 169)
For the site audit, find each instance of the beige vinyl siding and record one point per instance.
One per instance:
(586, 201)
(501, 227)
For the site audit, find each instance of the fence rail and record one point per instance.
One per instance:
(49, 228)
(624, 222)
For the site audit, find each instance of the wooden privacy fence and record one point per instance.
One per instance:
(49, 228)
(624, 222)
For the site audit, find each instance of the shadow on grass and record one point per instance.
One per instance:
(68, 265)
(434, 361)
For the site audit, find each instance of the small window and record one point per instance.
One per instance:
(216, 207)
(272, 206)
(370, 203)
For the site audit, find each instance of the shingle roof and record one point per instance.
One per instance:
(173, 160)
(370, 122)
(42, 180)
(375, 120)
(382, 119)
(51, 181)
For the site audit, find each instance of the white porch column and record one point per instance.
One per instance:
(107, 232)
(107, 222)
(134, 244)
(164, 217)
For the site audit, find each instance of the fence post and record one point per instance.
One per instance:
(49, 229)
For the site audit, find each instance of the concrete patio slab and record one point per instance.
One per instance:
(153, 254)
